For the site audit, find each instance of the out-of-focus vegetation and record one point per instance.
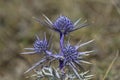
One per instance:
(18, 29)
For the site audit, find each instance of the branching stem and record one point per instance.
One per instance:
(61, 42)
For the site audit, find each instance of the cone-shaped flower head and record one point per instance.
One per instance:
(40, 45)
(63, 24)
(72, 55)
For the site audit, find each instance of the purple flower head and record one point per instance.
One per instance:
(73, 58)
(71, 54)
(63, 25)
(39, 46)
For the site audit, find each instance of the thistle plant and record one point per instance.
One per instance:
(69, 57)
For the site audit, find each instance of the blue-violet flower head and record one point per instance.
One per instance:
(71, 54)
(62, 24)
(39, 46)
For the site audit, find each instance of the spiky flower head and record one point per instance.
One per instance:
(39, 46)
(63, 25)
(70, 53)
(72, 57)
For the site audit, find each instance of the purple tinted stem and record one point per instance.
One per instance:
(61, 42)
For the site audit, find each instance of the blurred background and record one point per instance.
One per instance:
(18, 29)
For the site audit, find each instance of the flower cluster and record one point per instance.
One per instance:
(69, 55)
